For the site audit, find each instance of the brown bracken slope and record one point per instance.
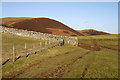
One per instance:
(44, 25)
(89, 32)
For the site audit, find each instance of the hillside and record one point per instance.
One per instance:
(10, 20)
(44, 25)
(89, 32)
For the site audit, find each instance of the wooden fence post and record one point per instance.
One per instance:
(33, 48)
(13, 53)
(52, 43)
(76, 41)
(59, 42)
(40, 47)
(46, 45)
(25, 48)
(49, 44)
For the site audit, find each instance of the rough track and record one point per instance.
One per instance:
(65, 67)
(61, 68)
(38, 63)
(85, 70)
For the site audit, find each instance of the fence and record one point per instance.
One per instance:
(50, 41)
(42, 36)
(27, 51)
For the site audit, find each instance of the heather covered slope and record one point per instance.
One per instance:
(44, 25)
(10, 20)
(89, 32)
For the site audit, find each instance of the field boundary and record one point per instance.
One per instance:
(48, 45)
(39, 35)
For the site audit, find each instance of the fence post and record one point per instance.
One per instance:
(52, 43)
(13, 53)
(59, 42)
(49, 44)
(40, 46)
(46, 45)
(33, 48)
(76, 41)
(25, 48)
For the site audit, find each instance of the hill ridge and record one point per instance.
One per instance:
(46, 25)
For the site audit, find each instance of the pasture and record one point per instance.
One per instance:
(94, 57)
(20, 43)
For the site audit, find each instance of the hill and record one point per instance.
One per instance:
(44, 25)
(10, 20)
(89, 32)
(7, 19)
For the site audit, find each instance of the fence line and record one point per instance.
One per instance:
(50, 41)
(34, 51)
(39, 35)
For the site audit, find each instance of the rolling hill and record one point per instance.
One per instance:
(89, 32)
(46, 25)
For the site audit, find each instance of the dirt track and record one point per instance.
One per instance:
(58, 66)
(61, 65)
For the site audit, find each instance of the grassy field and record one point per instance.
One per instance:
(8, 40)
(109, 41)
(67, 61)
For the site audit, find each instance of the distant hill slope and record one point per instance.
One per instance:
(44, 25)
(88, 32)
(8, 20)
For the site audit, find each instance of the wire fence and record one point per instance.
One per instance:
(15, 50)
(26, 50)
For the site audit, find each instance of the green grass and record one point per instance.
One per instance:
(65, 61)
(23, 63)
(110, 41)
(100, 64)
(104, 67)
(19, 42)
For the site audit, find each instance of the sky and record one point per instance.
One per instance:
(102, 16)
